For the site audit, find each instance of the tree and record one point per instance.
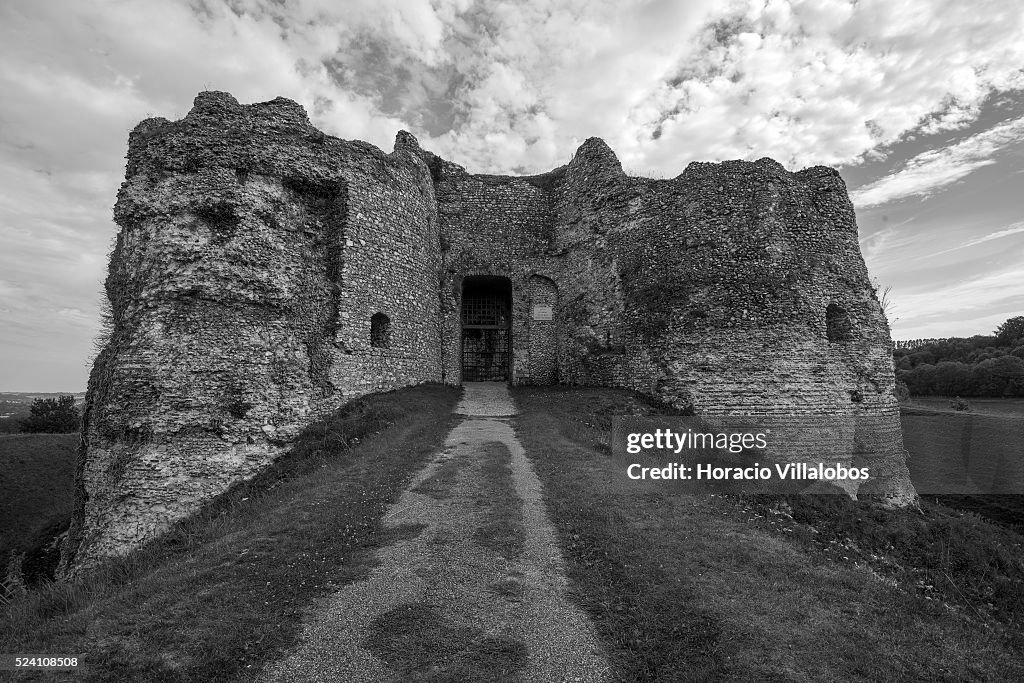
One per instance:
(952, 379)
(1011, 332)
(999, 376)
(52, 415)
(921, 380)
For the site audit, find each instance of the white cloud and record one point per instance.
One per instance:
(888, 247)
(494, 86)
(932, 170)
(1014, 229)
(957, 308)
(828, 85)
(999, 234)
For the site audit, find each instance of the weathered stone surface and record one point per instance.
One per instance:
(254, 251)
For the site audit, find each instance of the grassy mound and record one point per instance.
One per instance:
(711, 587)
(226, 591)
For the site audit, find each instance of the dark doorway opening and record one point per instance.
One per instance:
(486, 329)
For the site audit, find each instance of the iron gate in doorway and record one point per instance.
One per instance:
(486, 329)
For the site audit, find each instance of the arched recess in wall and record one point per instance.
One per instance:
(380, 331)
(543, 321)
(838, 326)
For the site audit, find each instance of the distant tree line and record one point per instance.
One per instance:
(978, 366)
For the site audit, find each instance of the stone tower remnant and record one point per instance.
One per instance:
(266, 273)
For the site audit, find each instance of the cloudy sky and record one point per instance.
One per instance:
(919, 104)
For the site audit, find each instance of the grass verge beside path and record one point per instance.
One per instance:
(685, 588)
(227, 591)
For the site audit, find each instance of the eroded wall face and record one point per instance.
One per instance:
(212, 364)
(711, 291)
(598, 347)
(238, 290)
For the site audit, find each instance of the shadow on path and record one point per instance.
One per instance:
(475, 592)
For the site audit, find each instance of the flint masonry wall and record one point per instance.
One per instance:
(728, 273)
(712, 290)
(594, 204)
(254, 251)
(497, 226)
(391, 265)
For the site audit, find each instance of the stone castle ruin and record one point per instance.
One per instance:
(266, 273)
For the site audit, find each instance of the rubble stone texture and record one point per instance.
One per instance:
(254, 250)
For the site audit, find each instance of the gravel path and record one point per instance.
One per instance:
(469, 597)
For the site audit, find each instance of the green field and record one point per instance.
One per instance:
(979, 406)
(37, 473)
(971, 460)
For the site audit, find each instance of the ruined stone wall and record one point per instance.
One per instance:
(265, 273)
(543, 323)
(240, 295)
(593, 205)
(392, 266)
(711, 290)
(494, 225)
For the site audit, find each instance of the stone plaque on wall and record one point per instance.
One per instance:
(542, 312)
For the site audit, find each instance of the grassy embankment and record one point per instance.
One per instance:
(706, 587)
(37, 473)
(680, 588)
(227, 591)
